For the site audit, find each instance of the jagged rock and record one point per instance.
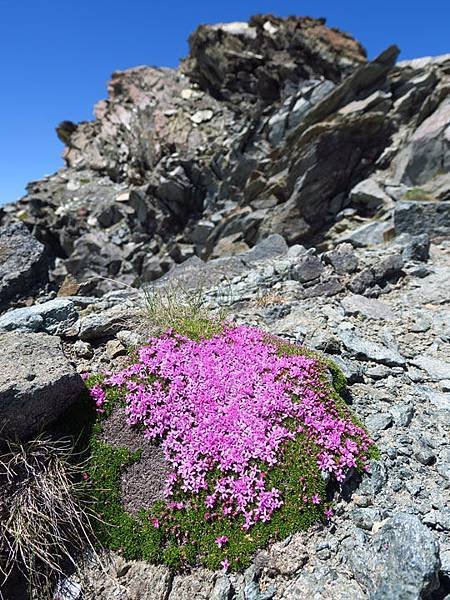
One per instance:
(416, 217)
(368, 195)
(428, 153)
(343, 259)
(240, 61)
(307, 269)
(23, 263)
(400, 561)
(368, 234)
(37, 383)
(369, 350)
(199, 584)
(417, 248)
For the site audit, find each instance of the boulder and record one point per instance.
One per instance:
(56, 317)
(23, 263)
(37, 383)
(417, 217)
(400, 561)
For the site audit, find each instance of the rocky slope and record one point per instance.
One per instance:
(317, 186)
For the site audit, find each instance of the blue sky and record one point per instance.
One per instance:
(57, 55)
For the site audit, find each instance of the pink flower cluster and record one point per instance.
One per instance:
(219, 408)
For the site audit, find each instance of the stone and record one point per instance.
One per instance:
(369, 234)
(202, 116)
(379, 421)
(437, 369)
(37, 382)
(222, 589)
(402, 414)
(365, 518)
(424, 455)
(366, 349)
(103, 324)
(307, 269)
(416, 218)
(115, 348)
(343, 259)
(417, 248)
(428, 152)
(198, 584)
(400, 561)
(56, 317)
(352, 369)
(323, 583)
(272, 246)
(369, 195)
(23, 263)
(387, 268)
(370, 308)
(362, 281)
(83, 349)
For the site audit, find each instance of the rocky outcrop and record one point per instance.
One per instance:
(276, 125)
(266, 59)
(37, 383)
(306, 190)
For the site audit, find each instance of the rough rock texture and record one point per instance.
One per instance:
(307, 190)
(266, 59)
(392, 341)
(272, 126)
(23, 263)
(402, 560)
(37, 382)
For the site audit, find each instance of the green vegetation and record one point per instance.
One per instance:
(189, 535)
(418, 194)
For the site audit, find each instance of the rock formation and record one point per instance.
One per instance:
(308, 190)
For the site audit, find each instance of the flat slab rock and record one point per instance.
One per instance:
(37, 382)
(370, 308)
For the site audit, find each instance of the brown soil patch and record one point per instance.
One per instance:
(143, 482)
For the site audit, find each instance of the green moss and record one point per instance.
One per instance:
(418, 194)
(187, 536)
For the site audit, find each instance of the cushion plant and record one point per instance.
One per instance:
(251, 428)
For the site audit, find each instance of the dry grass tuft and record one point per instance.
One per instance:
(44, 512)
(185, 311)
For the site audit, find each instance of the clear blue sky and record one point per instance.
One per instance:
(57, 55)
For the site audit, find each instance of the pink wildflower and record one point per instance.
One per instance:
(225, 564)
(220, 541)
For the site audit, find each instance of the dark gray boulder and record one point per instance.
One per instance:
(37, 383)
(417, 217)
(23, 263)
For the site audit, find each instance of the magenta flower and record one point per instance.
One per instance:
(328, 512)
(222, 405)
(220, 541)
(225, 564)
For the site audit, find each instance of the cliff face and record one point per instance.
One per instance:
(276, 125)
